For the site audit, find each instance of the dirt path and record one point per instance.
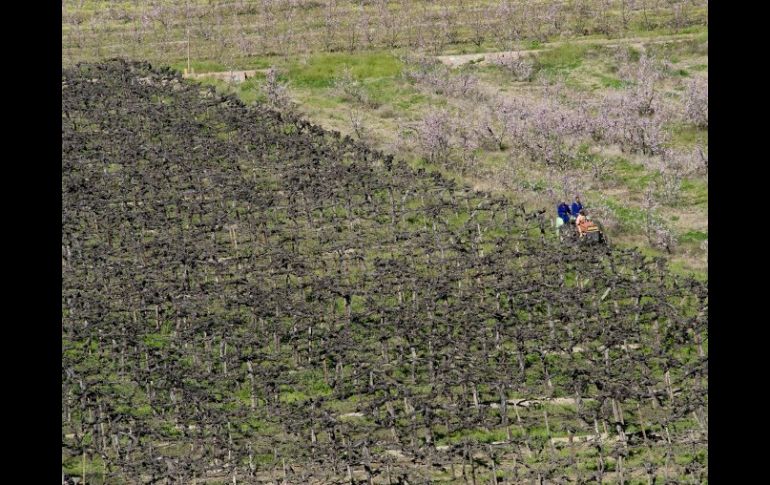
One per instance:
(486, 58)
(229, 76)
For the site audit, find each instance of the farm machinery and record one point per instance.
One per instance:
(594, 234)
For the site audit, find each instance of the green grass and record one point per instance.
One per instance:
(678, 266)
(638, 29)
(693, 236)
(93, 466)
(684, 135)
(313, 81)
(386, 90)
(696, 192)
(533, 44)
(321, 70)
(611, 82)
(248, 91)
(200, 66)
(628, 217)
(561, 59)
(238, 63)
(672, 50)
(156, 340)
(635, 176)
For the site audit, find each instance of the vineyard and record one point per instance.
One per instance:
(249, 298)
(533, 100)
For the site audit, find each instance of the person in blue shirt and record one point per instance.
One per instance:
(564, 212)
(576, 206)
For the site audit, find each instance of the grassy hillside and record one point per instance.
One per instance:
(248, 297)
(645, 176)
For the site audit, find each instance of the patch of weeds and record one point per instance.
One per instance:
(611, 82)
(321, 70)
(688, 135)
(693, 237)
(633, 175)
(696, 192)
(477, 435)
(534, 44)
(200, 66)
(628, 217)
(561, 59)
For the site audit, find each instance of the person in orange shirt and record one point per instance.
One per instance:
(582, 223)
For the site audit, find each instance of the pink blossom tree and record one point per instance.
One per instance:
(696, 102)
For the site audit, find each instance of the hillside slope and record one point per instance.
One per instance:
(249, 298)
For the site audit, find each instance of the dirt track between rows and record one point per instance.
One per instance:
(486, 58)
